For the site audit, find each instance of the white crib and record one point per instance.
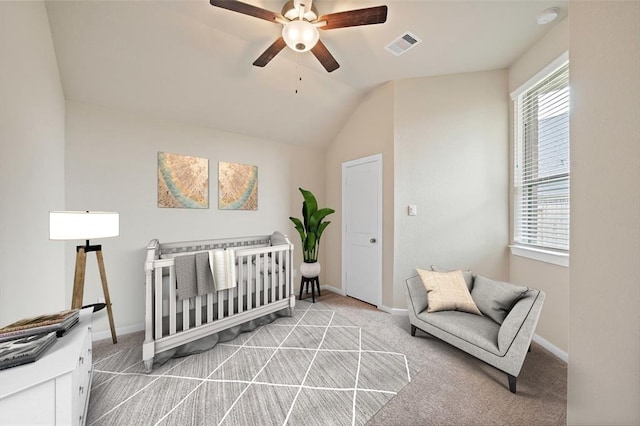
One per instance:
(264, 276)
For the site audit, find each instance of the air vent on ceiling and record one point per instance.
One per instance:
(403, 43)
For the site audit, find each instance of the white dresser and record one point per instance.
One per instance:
(54, 390)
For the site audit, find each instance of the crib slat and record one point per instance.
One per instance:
(185, 314)
(279, 256)
(288, 276)
(158, 314)
(273, 278)
(172, 299)
(256, 271)
(220, 305)
(198, 311)
(240, 277)
(265, 283)
(249, 285)
(210, 307)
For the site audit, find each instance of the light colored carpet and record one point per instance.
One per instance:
(314, 368)
(448, 387)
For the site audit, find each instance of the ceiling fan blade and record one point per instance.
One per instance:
(353, 18)
(325, 57)
(247, 9)
(270, 53)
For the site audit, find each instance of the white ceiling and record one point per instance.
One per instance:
(189, 61)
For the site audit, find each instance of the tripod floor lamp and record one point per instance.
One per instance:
(86, 225)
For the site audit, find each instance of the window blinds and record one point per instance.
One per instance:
(541, 158)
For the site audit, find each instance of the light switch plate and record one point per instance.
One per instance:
(413, 210)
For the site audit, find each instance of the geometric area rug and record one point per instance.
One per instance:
(313, 368)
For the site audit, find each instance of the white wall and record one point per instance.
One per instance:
(451, 160)
(553, 325)
(604, 318)
(112, 165)
(32, 277)
(368, 131)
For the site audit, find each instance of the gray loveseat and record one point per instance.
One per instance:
(503, 346)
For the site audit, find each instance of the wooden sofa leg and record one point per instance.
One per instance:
(512, 383)
(413, 330)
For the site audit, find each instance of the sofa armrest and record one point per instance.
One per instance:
(520, 324)
(416, 296)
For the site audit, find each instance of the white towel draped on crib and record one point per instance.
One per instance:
(223, 268)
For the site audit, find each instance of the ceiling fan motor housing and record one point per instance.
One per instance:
(291, 10)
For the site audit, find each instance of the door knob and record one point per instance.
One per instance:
(372, 241)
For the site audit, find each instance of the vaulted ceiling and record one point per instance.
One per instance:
(188, 61)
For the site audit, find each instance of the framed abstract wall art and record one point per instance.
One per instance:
(237, 186)
(183, 181)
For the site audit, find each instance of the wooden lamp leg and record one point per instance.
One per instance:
(105, 290)
(78, 279)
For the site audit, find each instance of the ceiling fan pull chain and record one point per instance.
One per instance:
(299, 73)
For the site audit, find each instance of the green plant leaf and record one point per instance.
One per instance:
(309, 206)
(299, 228)
(321, 229)
(310, 245)
(317, 217)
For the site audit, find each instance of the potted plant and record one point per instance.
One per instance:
(310, 229)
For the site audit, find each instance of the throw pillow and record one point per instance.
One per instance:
(496, 298)
(468, 275)
(447, 291)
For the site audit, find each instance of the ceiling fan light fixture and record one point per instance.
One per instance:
(300, 36)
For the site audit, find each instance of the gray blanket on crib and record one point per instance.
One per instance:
(193, 275)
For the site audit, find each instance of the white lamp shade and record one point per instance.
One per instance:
(83, 225)
(300, 35)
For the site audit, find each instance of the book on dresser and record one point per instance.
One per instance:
(60, 322)
(26, 349)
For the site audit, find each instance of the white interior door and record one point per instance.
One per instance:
(362, 228)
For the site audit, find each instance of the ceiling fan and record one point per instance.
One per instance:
(300, 26)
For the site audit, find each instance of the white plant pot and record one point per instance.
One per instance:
(310, 270)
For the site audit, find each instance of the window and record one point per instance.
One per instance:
(541, 161)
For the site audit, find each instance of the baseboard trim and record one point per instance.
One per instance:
(120, 331)
(393, 311)
(332, 289)
(559, 353)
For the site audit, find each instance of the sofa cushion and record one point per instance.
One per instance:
(468, 275)
(495, 298)
(447, 291)
(481, 332)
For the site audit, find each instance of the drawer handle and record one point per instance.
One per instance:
(81, 360)
(81, 390)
